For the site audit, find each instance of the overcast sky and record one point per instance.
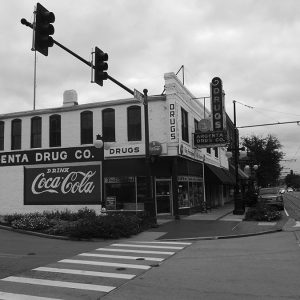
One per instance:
(252, 45)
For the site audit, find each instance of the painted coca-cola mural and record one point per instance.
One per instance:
(62, 184)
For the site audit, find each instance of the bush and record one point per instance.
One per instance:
(263, 213)
(31, 222)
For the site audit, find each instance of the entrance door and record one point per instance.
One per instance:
(163, 196)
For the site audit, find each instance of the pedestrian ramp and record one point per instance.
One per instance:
(89, 275)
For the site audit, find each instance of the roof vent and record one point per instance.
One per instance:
(70, 98)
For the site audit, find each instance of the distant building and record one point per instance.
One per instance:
(48, 159)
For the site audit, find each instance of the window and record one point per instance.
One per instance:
(36, 132)
(86, 123)
(55, 131)
(208, 150)
(196, 124)
(16, 126)
(1, 135)
(108, 125)
(216, 151)
(134, 124)
(184, 125)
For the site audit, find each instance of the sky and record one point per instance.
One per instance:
(252, 45)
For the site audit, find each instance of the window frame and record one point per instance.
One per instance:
(55, 133)
(108, 132)
(36, 132)
(2, 127)
(184, 125)
(86, 127)
(134, 129)
(16, 134)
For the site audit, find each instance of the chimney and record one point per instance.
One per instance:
(70, 98)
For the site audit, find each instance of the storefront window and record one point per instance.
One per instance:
(190, 191)
(120, 190)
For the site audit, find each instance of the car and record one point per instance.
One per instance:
(271, 196)
(289, 189)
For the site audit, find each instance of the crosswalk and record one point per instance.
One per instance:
(89, 275)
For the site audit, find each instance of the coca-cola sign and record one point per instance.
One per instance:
(62, 184)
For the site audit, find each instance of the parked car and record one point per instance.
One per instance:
(271, 196)
(289, 189)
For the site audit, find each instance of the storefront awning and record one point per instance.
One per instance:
(223, 175)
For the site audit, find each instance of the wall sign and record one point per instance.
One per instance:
(172, 122)
(50, 156)
(125, 150)
(155, 148)
(210, 139)
(63, 184)
(217, 104)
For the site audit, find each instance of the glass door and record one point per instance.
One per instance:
(163, 196)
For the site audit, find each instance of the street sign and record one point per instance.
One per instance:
(210, 139)
(138, 96)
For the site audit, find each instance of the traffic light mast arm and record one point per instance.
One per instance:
(26, 23)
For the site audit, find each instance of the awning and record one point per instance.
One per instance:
(223, 175)
(242, 174)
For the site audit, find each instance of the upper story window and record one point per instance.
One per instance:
(1, 135)
(16, 128)
(55, 131)
(86, 127)
(208, 150)
(134, 123)
(216, 149)
(184, 125)
(36, 132)
(108, 125)
(196, 124)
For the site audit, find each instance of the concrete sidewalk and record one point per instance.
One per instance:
(215, 224)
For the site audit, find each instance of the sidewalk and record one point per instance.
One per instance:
(219, 223)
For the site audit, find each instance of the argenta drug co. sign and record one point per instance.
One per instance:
(62, 184)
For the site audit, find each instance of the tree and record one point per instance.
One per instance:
(266, 153)
(292, 180)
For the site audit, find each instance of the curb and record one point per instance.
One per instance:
(224, 236)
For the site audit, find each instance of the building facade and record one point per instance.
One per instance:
(48, 160)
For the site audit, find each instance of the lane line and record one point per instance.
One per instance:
(122, 256)
(135, 251)
(11, 296)
(286, 212)
(146, 246)
(167, 243)
(63, 284)
(106, 264)
(85, 273)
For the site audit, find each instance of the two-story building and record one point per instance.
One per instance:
(48, 160)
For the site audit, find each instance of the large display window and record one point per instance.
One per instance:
(190, 191)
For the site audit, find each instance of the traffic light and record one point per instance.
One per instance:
(100, 66)
(43, 29)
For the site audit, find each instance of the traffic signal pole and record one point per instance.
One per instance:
(26, 23)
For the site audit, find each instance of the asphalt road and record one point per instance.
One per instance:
(292, 204)
(22, 252)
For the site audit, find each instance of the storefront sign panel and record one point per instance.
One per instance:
(172, 122)
(62, 184)
(50, 156)
(210, 139)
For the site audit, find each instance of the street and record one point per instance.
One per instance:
(292, 204)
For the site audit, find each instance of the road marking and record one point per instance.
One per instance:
(11, 296)
(286, 212)
(267, 223)
(147, 246)
(170, 243)
(63, 284)
(107, 264)
(122, 256)
(86, 273)
(135, 251)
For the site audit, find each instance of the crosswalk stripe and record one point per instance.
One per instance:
(136, 251)
(86, 273)
(64, 284)
(146, 246)
(107, 264)
(167, 243)
(11, 296)
(122, 256)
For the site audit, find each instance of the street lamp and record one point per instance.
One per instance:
(99, 144)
